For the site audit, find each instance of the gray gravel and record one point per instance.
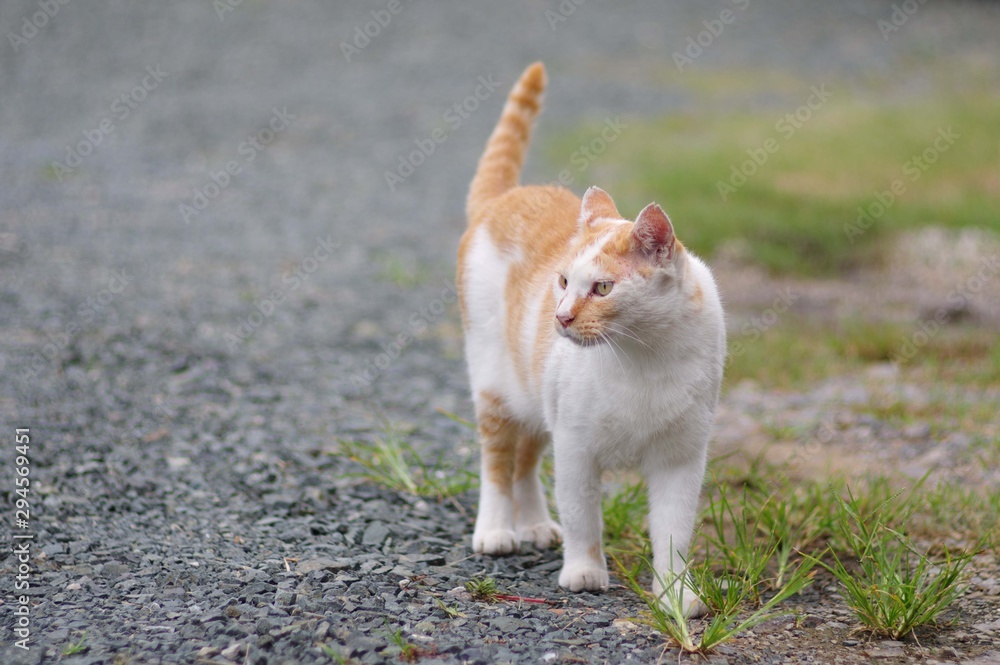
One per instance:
(186, 504)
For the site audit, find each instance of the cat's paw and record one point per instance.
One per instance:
(543, 535)
(495, 542)
(692, 606)
(583, 577)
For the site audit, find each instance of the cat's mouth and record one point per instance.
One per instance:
(582, 340)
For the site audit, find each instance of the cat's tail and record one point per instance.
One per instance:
(500, 166)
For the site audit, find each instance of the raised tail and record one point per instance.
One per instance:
(500, 166)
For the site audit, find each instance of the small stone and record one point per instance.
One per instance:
(507, 624)
(114, 570)
(322, 563)
(884, 652)
(850, 643)
(263, 625)
(375, 534)
(175, 463)
(988, 628)
(232, 651)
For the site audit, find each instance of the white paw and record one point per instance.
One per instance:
(543, 535)
(494, 542)
(583, 576)
(692, 604)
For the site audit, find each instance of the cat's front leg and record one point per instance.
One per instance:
(578, 497)
(673, 507)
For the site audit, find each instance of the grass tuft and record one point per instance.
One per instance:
(392, 462)
(76, 647)
(483, 589)
(894, 588)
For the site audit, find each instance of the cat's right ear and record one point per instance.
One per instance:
(653, 233)
(597, 204)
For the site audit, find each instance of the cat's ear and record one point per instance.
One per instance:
(653, 234)
(597, 203)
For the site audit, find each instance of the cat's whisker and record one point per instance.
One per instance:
(612, 345)
(607, 339)
(628, 332)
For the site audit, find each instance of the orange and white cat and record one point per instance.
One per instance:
(602, 335)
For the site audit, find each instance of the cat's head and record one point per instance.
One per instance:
(621, 280)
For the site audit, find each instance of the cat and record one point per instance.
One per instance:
(602, 335)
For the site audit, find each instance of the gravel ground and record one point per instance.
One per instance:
(186, 344)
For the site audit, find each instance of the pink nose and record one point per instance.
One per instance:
(565, 319)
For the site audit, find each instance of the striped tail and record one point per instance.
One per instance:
(500, 166)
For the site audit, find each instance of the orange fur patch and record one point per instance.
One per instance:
(698, 296)
(529, 454)
(498, 438)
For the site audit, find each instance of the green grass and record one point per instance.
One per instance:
(76, 647)
(624, 522)
(403, 272)
(392, 462)
(892, 587)
(797, 351)
(762, 534)
(727, 596)
(483, 589)
(335, 654)
(408, 652)
(450, 612)
(790, 216)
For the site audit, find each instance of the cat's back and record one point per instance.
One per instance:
(528, 225)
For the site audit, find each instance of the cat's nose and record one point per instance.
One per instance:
(565, 319)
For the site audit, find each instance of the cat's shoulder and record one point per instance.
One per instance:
(540, 216)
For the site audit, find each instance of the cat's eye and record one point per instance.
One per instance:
(563, 282)
(603, 288)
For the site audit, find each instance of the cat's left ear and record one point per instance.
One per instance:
(597, 203)
(653, 233)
